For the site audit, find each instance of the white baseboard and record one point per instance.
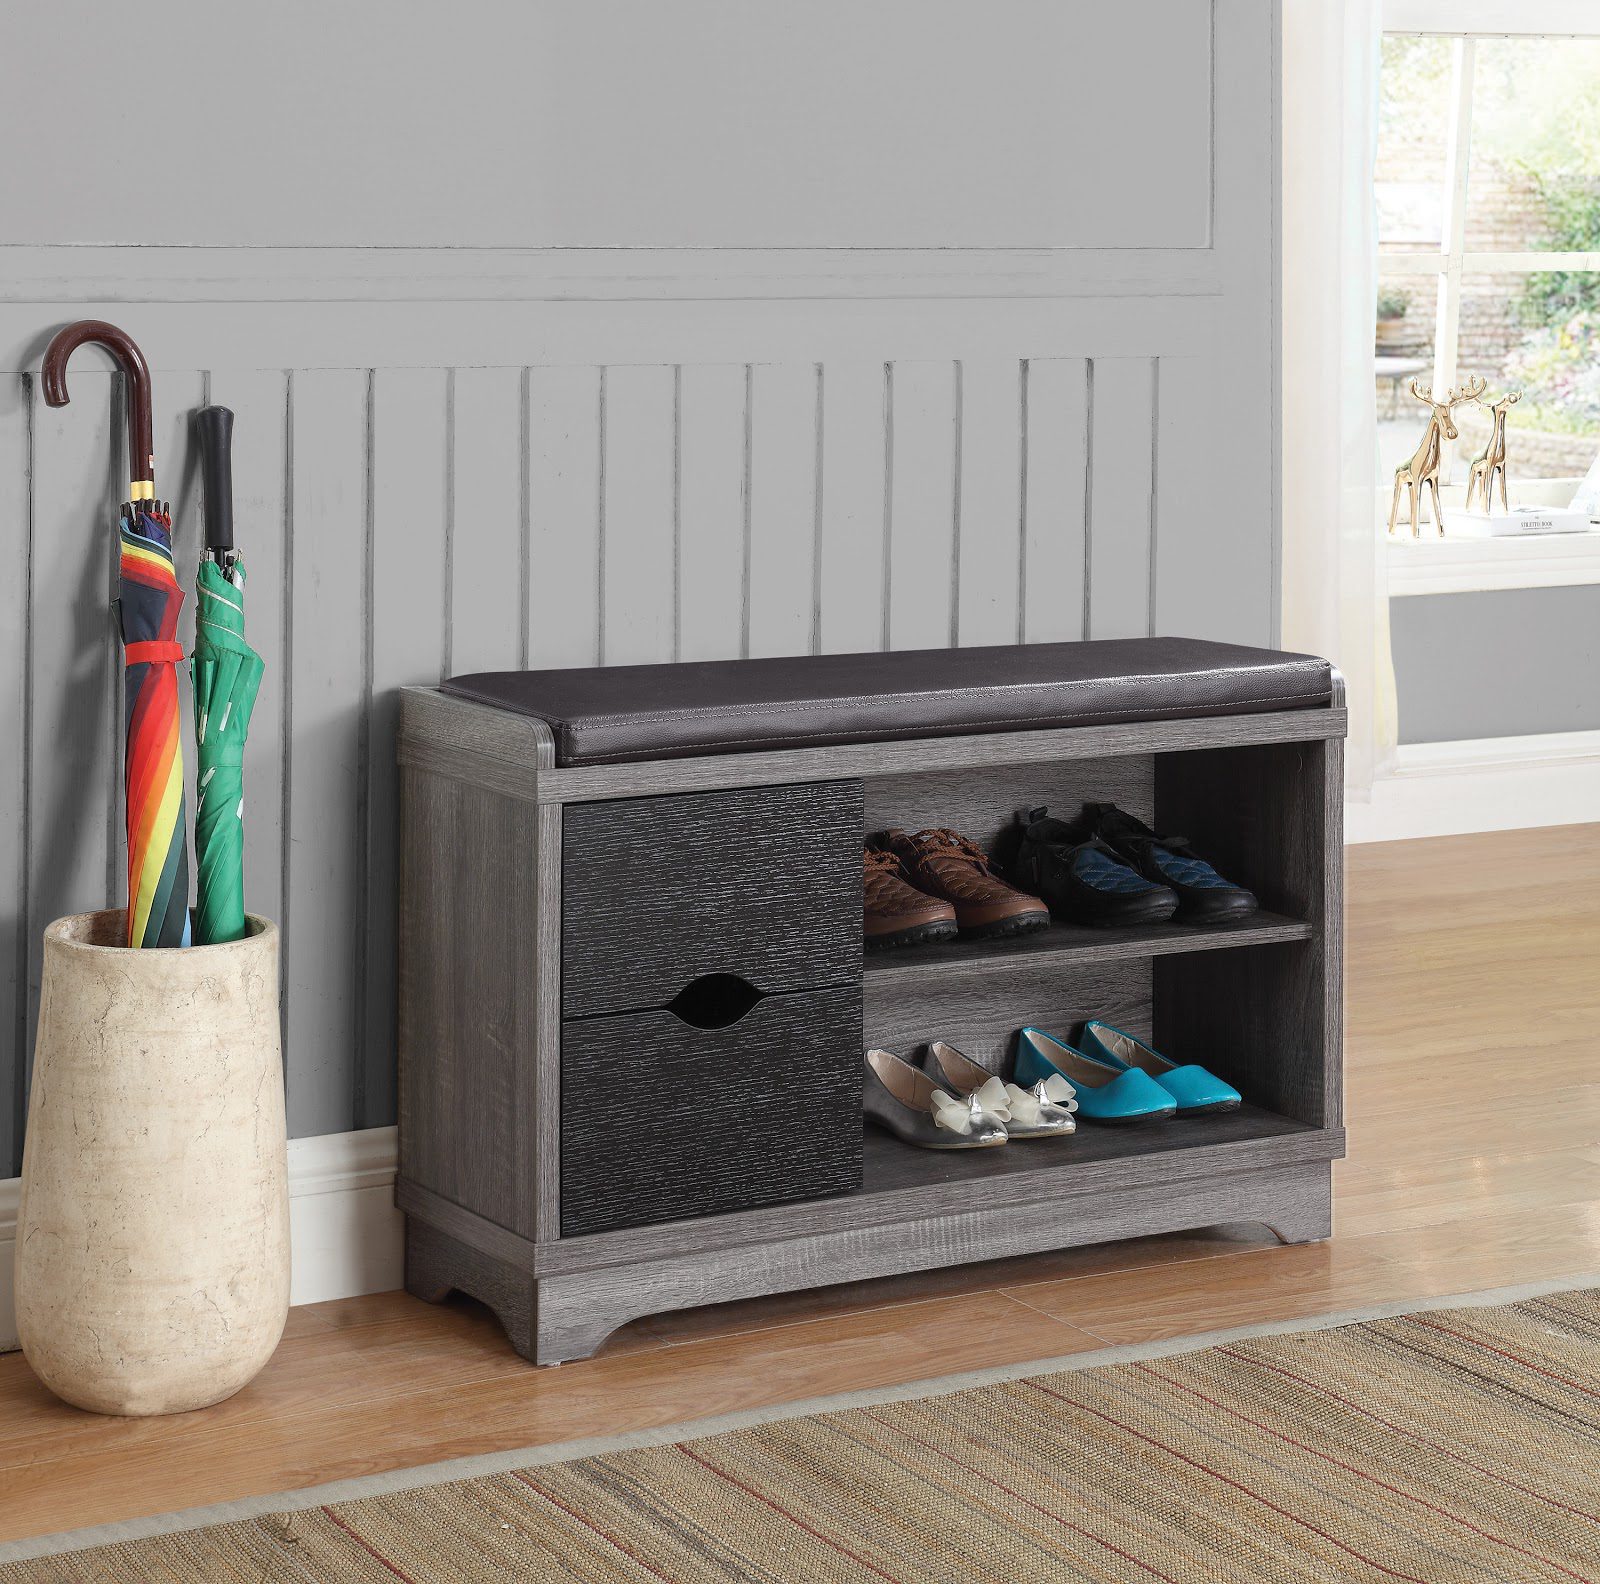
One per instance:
(9, 1189)
(1485, 784)
(345, 1234)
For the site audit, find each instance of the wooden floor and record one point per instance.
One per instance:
(1474, 1117)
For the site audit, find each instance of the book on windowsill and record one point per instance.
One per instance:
(1519, 523)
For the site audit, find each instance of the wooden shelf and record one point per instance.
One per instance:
(1098, 1169)
(1141, 1150)
(1078, 943)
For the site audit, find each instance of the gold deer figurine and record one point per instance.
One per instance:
(1493, 456)
(1422, 471)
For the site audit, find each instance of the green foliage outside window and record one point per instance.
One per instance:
(1541, 116)
(1574, 217)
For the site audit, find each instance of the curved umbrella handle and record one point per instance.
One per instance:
(122, 346)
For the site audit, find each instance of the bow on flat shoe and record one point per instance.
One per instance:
(1030, 1107)
(905, 1101)
(1045, 1111)
(959, 1116)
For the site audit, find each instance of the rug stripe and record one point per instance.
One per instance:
(371, 1550)
(1066, 1523)
(572, 1512)
(1515, 1358)
(1497, 1475)
(782, 1512)
(1244, 1490)
(1362, 1474)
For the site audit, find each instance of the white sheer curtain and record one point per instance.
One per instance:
(1335, 592)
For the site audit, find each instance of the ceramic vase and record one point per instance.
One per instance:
(152, 1254)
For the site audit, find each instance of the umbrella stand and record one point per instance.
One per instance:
(176, 1221)
(158, 854)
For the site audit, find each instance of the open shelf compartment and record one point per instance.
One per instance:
(1253, 1000)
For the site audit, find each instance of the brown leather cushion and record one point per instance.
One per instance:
(609, 714)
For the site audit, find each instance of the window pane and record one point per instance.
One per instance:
(1539, 334)
(1413, 131)
(1405, 351)
(1406, 306)
(1535, 169)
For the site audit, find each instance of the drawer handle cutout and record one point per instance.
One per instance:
(714, 1001)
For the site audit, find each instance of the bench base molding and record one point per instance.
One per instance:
(556, 1318)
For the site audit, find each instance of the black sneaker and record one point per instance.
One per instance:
(1081, 877)
(1204, 897)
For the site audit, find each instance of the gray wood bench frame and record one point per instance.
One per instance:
(479, 1180)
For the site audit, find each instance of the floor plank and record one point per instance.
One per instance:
(1425, 1192)
(1267, 1284)
(1474, 1119)
(210, 1460)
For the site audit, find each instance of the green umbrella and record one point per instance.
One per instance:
(227, 676)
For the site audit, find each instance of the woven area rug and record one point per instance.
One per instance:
(1454, 1445)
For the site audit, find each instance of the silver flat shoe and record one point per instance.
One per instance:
(906, 1102)
(1026, 1113)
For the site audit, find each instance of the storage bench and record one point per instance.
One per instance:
(633, 999)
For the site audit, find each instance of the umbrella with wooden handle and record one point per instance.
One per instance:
(148, 602)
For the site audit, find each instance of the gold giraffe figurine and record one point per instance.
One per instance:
(1422, 471)
(1493, 456)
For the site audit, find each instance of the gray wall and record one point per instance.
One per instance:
(598, 332)
(1504, 664)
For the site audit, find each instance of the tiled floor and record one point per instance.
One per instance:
(1474, 1117)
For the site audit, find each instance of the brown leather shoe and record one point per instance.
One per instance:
(897, 914)
(945, 864)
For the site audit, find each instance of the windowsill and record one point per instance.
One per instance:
(1431, 565)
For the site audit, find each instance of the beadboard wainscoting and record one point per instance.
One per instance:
(741, 429)
(402, 525)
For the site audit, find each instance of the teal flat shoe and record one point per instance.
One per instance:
(1105, 1092)
(1196, 1091)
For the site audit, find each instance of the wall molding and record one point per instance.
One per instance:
(346, 1235)
(1482, 784)
(125, 274)
(327, 333)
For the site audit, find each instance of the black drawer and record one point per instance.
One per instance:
(661, 1121)
(656, 892)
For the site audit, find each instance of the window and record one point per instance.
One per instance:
(1488, 202)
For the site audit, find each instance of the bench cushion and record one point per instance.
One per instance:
(611, 714)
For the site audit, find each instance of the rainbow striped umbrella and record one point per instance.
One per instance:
(158, 854)
(158, 849)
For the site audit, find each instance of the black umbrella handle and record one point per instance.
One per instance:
(214, 428)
